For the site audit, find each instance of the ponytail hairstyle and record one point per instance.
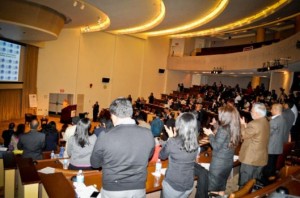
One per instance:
(82, 132)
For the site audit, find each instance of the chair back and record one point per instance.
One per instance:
(244, 190)
(288, 170)
(287, 149)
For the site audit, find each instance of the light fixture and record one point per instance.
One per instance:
(75, 3)
(212, 14)
(101, 24)
(157, 20)
(276, 64)
(217, 70)
(245, 21)
(82, 6)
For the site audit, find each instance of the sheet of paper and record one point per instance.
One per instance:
(84, 191)
(47, 170)
(162, 172)
(235, 157)
(3, 149)
(205, 165)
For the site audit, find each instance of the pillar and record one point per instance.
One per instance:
(260, 35)
(255, 81)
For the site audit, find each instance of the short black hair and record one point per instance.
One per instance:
(11, 125)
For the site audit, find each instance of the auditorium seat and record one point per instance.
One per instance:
(244, 190)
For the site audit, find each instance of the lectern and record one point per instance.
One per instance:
(67, 113)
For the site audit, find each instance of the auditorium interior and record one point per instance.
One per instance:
(85, 51)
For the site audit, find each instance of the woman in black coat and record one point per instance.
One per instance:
(223, 142)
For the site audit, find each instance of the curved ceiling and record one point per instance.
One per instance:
(114, 15)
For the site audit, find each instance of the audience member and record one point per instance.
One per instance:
(129, 98)
(254, 150)
(157, 125)
(104, 126)
(32, 143)
(123, 154)
(63, 130)
(276, 141)
(294, 131)
(223, 143)
(15, 137)
(80, 146)
(171, 121)
(142, 122)
(151, 98)
(288, 116)
(6, 134)
(95, 111)
(70, 132)
(52, 138)
(181, 148)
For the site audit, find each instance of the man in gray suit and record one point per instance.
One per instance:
(32, 143)
(289, 118)
(277, 130)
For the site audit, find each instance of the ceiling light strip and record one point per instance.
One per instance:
(146, 26)
(265, 24)
(213, 13)
(262, 14)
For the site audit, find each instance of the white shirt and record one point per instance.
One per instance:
(69, 132)
(295, 111)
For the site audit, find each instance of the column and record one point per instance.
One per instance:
(255, 81)
(260, 35)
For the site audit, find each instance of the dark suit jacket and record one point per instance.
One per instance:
(32, 144)
(254, 149)
(289, 117)
(277, 131)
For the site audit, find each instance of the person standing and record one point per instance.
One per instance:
(151, 98)
(70, 132)
(289, 117)
(157, 125)
(254, 150)
(223, 142)
(32, 143)
(80, 146)
(181, 149)
(276, 141)
(95, 111)
(123, 154)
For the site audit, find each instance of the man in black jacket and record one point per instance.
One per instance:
(123, 153)
(6, 135)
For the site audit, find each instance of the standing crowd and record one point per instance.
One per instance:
(124, 143)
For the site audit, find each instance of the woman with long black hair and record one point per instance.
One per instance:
(181, 150)
(80, 146)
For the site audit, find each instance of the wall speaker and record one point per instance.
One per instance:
(105, 80)
(161, 71)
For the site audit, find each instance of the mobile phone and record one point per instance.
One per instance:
(95, 194)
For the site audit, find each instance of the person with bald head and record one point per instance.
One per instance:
(32, 142)
(278, 136)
